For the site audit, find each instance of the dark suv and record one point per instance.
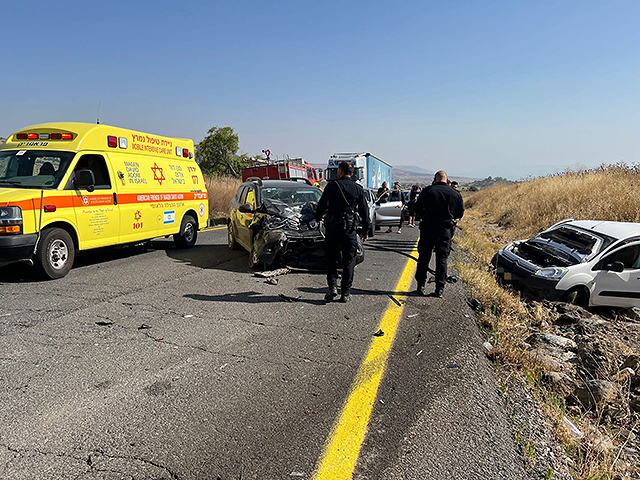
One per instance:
(274, 221)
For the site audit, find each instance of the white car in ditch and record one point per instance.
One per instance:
(586, 262)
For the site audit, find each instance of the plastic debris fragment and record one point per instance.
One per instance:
(575, 431)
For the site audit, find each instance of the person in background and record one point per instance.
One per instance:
(413, 197)
(342, 201)
(398, 193)
(383, 193)
(438, 206)
(454, 185)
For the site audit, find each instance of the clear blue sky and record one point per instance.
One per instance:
(501, 88)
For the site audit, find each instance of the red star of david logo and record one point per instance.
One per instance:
(137, 216)
(159, 177)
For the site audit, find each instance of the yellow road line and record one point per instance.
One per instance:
(208, 229)
(342, 448)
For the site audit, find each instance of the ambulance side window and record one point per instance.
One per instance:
(98, 166)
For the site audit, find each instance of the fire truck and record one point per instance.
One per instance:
(282, 170)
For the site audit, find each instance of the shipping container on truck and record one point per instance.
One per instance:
(282, 170)
(368, 170)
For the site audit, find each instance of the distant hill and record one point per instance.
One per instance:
(409, 174)
(412, 168)
(487, 182)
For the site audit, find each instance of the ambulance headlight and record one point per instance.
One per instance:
(10, 213)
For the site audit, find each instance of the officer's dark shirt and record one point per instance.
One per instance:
(439, 205)
(333, 204)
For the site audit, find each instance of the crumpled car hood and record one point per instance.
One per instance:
(287, 234)
(279, 215)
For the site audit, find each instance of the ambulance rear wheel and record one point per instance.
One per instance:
(55, 254)
(188, 234)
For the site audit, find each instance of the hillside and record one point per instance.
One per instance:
(599, 428)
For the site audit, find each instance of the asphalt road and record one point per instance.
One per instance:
(161, 363)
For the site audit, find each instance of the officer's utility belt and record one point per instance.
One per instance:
(346, 221)
(349, 219)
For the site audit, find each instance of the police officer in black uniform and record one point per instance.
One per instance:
(438, 206)
(347, 213)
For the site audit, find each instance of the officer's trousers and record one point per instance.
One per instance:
(340, 250)
(438, 239)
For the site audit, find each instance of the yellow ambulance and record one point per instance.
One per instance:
(69, 187)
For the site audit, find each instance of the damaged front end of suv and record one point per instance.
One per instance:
(288, 235)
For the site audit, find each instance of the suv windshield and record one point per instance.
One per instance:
(33, 168)
(291, 194)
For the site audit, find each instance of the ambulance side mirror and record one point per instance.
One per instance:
(85, 179)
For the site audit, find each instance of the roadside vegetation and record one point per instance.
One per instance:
(221, 189)
(600, 436)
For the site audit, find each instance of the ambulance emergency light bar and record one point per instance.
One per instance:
(44, 136)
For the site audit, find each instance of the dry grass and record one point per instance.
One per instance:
(605, 193)
(221, 190)
(503, 213)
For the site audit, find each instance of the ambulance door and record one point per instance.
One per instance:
(97, 214)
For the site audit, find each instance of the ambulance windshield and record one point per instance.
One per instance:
(33, 168)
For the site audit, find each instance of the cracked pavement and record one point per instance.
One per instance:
(180, 364)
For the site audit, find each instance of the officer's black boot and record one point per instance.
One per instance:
(346, 297)
(420, 290)
(331, 294)
(439, 291)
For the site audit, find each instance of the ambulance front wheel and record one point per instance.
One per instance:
(55, 253)
(188, 234)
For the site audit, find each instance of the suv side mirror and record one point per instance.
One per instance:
(617, 267)
(85, 179)
(245, 208)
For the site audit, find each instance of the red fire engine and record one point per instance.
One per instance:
(283, 169)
